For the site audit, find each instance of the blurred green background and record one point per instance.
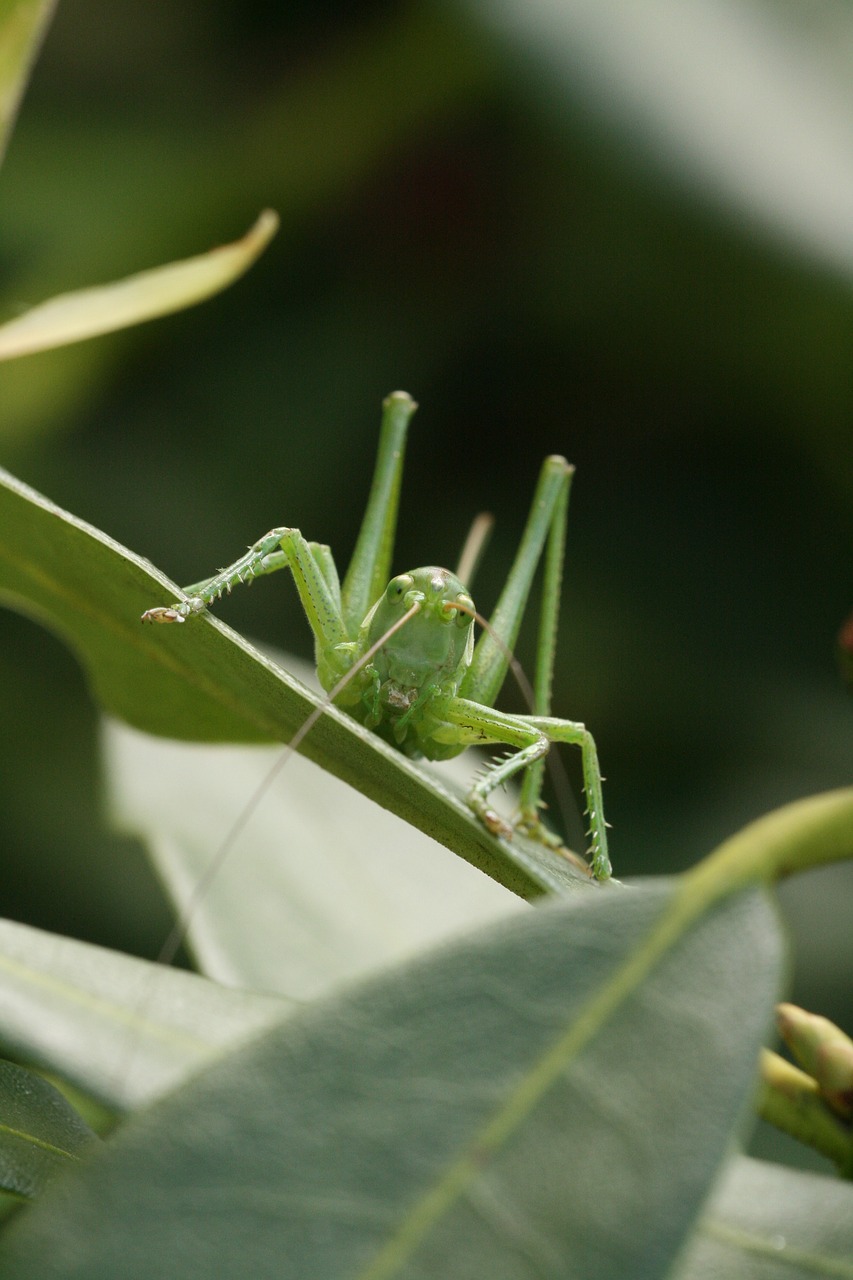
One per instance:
(619, 232)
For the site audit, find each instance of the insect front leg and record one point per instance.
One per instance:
(313, 573)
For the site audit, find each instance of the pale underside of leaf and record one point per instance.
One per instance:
(320, 888)
(751, 102)
(121, 1029)
(766, 1222)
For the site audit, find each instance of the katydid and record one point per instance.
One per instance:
(417, 677)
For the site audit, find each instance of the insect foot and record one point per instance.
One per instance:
(162, 614)
(492, 821)
(532, 826)
(496, 824)
(178, 612)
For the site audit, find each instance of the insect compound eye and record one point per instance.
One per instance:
(397, 587)
(463, 616)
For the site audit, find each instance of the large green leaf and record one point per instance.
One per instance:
(40, 1133)
(202, 681)
(769, 1223)
(551, 1097)
(121, 1029)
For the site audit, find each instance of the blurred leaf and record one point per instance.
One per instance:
(70, 317)
(553, 1096)
(749, 102)
(765, 1222)
(40, 1133)
(321, 887)
(22, 27)
(121, 1029)
(202, 681)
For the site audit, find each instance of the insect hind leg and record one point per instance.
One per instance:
(575, 734)
(532, 737)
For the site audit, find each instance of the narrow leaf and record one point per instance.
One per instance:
(22, 27)
(40, 1133)
(70, 317)
(553, 1096)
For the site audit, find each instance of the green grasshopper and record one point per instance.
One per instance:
(401, 657)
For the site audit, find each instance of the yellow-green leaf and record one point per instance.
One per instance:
(22, 25)
(85, 313)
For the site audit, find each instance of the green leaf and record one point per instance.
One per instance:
(40, 1133)
(22, 27)
(85, 313)
(202, 681)
(321, 887)
(769, 1223)
(553, 1096)
(123, 1030)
